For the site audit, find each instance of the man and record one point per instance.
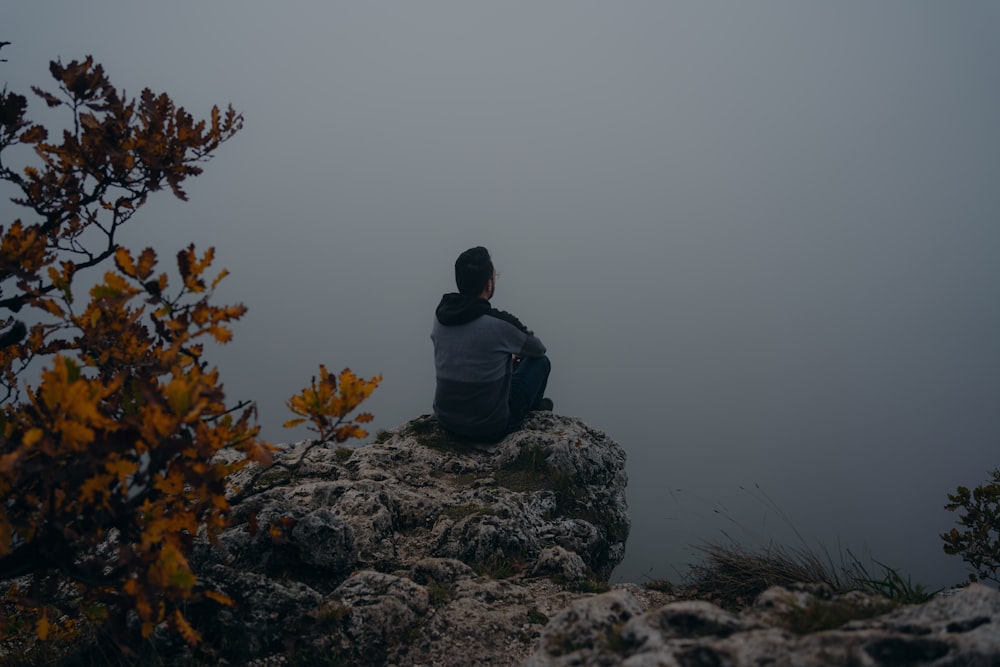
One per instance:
(480, 395)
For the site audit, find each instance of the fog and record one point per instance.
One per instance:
(760, 240)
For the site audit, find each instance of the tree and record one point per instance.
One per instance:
(108, 467)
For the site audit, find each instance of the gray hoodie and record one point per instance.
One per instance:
(473, 344)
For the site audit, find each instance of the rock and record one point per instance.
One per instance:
(399, 544)
(585, 626)
(382, 608)
(266, 610)
(325, 540)
(960, 629)
(557, 562)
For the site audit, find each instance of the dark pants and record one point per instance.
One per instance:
(527, 388)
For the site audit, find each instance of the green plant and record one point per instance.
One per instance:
(660, 585)
(498, 565)
(527, 472)
(426, 431)
(978, 541)
(536, 617)
(439, 594)
(590, 586)
(890, 585)
(819, 615)
(458, 512)
(616, 641)
(735, 576)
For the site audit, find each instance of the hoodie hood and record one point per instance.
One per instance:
(456, 309)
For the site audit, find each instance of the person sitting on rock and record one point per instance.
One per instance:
(491, 370)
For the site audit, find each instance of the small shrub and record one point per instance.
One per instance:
(978, 541)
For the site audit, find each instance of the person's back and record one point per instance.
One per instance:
(479, 394)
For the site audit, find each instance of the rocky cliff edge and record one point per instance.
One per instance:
(420, 549)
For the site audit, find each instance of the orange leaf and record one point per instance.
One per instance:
(221, 334)
(220, 598)
(34, 134)
(218, 278)
(42, 627)
(52, 307)
(190, 635)
(123, 260)
(147, 260)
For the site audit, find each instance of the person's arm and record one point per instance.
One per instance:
(522, 341)
(532, 347)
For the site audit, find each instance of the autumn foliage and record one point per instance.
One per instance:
(111, 415)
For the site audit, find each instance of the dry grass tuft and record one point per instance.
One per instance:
(733, 577)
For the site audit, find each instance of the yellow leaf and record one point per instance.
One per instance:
(178, 394)
(52, 307)
(94, 487)
(218, 278)
(123, 260)
(172, 484)
(95, 612)
(190, 635)
(221, 334)
(147, 260)
(121, 468)
(220, 598)
(35, 134)
(32, 436)
(42, 627)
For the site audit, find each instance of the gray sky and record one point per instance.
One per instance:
(760, 239)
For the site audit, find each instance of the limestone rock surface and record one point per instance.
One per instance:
(401, 550)
(784, 627)
(422, 550)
